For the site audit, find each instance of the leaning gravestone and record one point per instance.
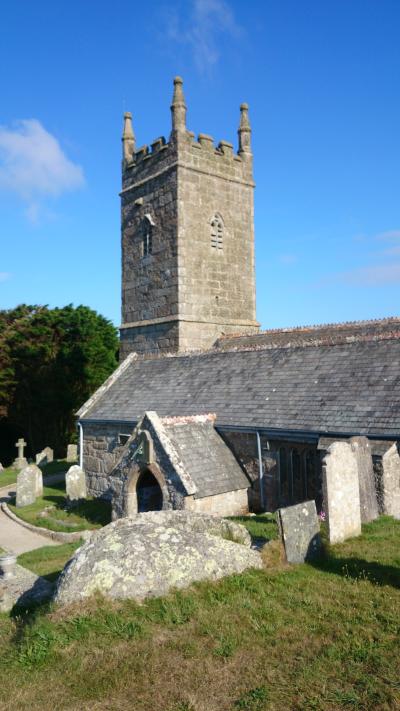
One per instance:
(341, 492)
(391, 481)
(27, 485)
(299, 529)
(72, 453)
(366, 479)
(75, 483)
(45, 456)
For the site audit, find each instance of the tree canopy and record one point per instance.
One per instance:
(51, 361)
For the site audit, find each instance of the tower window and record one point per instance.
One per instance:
(217, 232)
(147, 236)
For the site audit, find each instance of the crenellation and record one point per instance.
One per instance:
(172, 199)
(141, 153)
(206, 141)
(158, 144)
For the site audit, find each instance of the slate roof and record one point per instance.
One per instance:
(344, 388)
(205, 456)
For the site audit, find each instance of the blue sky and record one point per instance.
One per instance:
(322, 80)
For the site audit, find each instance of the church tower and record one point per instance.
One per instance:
(187, 238)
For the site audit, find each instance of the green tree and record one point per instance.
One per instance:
(51, 361)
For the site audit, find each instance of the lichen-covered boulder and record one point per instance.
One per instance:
(152, 553)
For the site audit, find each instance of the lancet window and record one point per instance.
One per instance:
(217, 232)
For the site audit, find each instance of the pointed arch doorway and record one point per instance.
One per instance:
(148, 492)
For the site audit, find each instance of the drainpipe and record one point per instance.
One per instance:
(80, 445)
(260, 472)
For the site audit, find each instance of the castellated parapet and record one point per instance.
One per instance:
(187, 238)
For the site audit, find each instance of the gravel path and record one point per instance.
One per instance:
(15, 538)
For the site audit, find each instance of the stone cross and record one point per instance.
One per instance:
(20, 444)
(20, 462)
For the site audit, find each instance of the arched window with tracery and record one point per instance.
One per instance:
(217, 231)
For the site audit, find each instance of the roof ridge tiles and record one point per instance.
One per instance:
(335, 339)
(314, 327)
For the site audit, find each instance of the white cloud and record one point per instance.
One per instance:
(4, 276)
(392, 251)
(389, 235)
(34, 166)
(206, 22)
(384, 273)
(379, 275)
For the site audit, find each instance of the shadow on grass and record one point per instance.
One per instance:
(262, 528)
(262, 519)
(359, 569)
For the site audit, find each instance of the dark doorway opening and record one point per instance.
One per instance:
(149, 494)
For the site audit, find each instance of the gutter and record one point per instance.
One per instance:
(260, 472)
(306, 436)
(80, 444)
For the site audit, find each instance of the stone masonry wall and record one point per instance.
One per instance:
(150, 283)
(186, 293)
(216, 286)
(101, 450)
(232, 503)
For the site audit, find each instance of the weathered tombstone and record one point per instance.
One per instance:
(391, 481)
(341, 492)
(299, 529)
(26, 486)
(39, 479)
(45, 456)
(20, 462)
(72, 453)
(1, 467)
(75, 483)
(366, 479)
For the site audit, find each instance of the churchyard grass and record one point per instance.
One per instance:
(88, 514)
(49, 560)
(261, 527)
(9, 475)
(291, 638)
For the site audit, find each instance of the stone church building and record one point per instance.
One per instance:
(205, 411)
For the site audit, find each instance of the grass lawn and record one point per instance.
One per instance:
(49, 560)
(295, 638)
(90, 514)
(263, 527)
(8, 476)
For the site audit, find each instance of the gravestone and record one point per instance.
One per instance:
(366, 479)
(391, 481)
(45, 456)
(39, 479)
(20, 462)
(299, 529)
(27, 485)
(72, 453)
(1, 467)
(75, 483)
(341, 492)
